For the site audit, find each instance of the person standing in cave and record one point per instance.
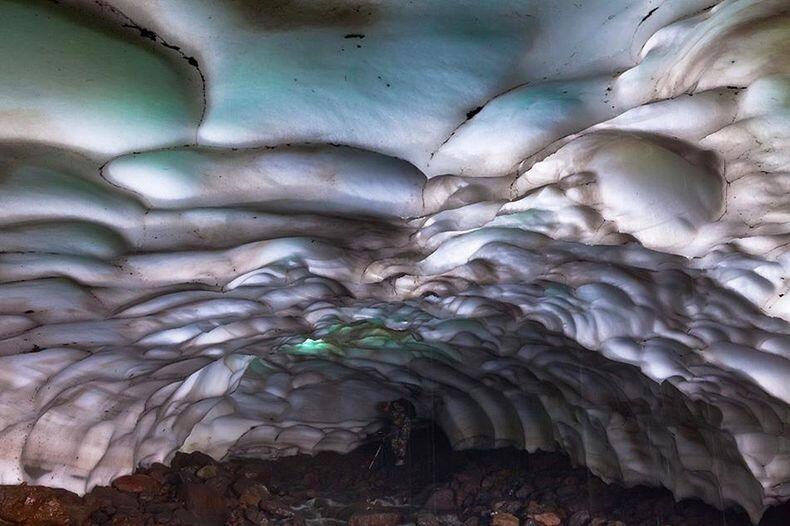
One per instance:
(399, 414)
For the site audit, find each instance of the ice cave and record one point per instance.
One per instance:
(231, 229)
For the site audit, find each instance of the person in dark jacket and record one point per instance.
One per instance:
(400, 414)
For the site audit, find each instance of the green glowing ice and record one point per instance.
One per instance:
(366, 338)
(311, 347)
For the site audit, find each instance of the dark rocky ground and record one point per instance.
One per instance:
(439, 487)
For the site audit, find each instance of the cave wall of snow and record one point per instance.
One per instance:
(235, 226)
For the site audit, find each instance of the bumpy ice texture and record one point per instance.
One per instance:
(235, 226)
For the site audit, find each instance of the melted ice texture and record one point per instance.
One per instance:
(235, 226)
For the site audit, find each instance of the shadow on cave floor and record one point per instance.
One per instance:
(504, 487)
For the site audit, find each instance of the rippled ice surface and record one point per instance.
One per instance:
(235, 226)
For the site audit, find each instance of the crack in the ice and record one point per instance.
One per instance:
(154, 37)
(648, 15)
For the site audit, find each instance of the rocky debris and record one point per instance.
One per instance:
(205, 502)
(39, 505)
(137, 483)
(499, 518)
(546, 519)
(441, 500)
(427, 519)
(439, 488)
(377, 517)
(580, 518)
(207, 472)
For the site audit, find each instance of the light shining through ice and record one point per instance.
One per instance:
(555, 225)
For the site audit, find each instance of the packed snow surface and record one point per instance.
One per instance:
(235, 226)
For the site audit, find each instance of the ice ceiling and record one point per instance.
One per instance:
(233, 226)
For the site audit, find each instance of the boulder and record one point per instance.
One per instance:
(381, 517)
(137, 483)
(504, 519)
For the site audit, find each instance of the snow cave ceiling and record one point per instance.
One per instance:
(234, 226)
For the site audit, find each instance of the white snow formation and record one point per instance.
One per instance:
(234, 226)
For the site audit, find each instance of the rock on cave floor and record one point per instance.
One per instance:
(439, 487)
